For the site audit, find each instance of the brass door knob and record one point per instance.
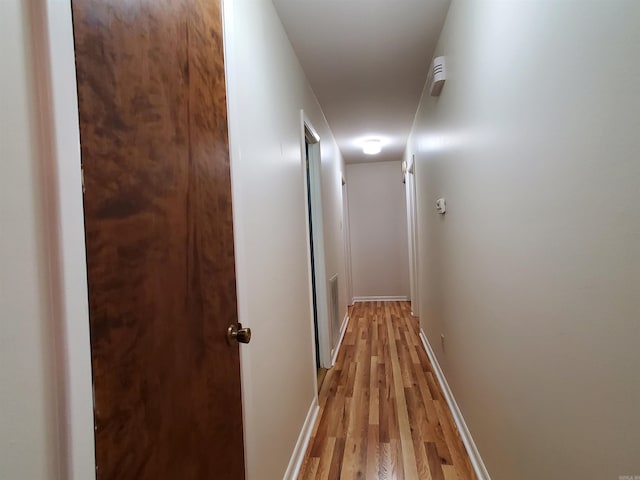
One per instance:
(235, 333)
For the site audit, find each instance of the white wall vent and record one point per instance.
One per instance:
(437, 76)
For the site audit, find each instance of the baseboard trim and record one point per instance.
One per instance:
(476, 460)
(295, 463)
(343, 329)
(380, 299)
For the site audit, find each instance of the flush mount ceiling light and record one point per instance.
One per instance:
(372, 146)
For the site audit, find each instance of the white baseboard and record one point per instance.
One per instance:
(293, 470)
(478, 465)
(343, 329)
(380, 299)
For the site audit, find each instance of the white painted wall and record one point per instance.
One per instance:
(378, 230)
(533, 275)
(333, 170)
(28, 444)
(266, 91)
(46, 409)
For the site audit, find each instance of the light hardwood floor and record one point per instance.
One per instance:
(382, 413)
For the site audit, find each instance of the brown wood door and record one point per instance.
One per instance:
(159, 235)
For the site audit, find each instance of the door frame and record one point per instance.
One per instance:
(53, 63)
(346, 228)
(412, 224)
(308, 134)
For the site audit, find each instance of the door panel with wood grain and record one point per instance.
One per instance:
(159, 236)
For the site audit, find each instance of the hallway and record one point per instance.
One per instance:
(166, 293)
(382, 412)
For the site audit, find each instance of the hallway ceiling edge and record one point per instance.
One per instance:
(367, 62)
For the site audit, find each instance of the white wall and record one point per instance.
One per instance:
(378, 230)
(533, 275)
(333, 170)
(46, 408)
(28, 443)
(266, 91)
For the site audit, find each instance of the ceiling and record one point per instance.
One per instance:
(367, 61)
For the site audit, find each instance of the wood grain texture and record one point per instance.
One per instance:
(159, 239)
(382, 403)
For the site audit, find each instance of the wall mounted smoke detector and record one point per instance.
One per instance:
(437, 76)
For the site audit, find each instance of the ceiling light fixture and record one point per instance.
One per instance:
(372, 146)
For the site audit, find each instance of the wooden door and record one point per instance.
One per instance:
(159, 235)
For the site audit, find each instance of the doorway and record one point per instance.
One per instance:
(412, 226)
(159, 240)
(320, 371)
(319, 294)
(347, 241)
(314, 292)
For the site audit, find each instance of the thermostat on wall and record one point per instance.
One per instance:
(441, 206)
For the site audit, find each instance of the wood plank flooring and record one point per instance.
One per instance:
(322, 373)
(382, 413)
